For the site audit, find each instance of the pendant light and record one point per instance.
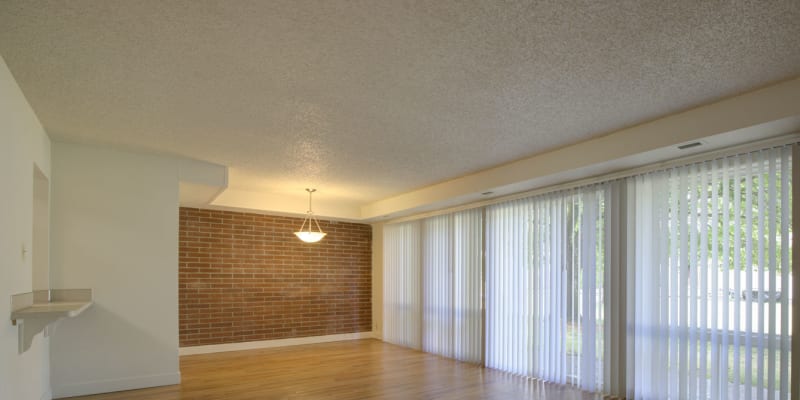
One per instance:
(308, 235)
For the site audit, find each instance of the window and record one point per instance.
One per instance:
(674, 284)
(433, 277)
(402, 292)
(546, 286)
(452, 279)
(713, 279)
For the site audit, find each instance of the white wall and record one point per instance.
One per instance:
(23, 142)
(377, 280)
(115, 230)
(40, 250)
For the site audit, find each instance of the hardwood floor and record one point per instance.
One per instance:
(359, 369)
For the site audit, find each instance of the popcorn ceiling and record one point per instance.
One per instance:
(373, 98)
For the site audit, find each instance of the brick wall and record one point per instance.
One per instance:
(246, 277)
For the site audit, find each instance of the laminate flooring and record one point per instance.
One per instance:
(357, 369)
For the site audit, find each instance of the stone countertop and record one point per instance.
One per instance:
(57, 309)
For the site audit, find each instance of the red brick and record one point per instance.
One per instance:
(246, 277)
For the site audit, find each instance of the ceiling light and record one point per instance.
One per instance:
(308, 235)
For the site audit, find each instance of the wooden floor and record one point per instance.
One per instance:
(358, 369)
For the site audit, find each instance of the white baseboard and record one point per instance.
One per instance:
(115, 385)
(265, 344)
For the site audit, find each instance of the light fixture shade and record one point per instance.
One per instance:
(310, 237)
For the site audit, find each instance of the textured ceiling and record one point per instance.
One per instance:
(367, 99)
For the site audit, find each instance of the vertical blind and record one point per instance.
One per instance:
(402, 285)
(433, 277)
(452, 278)
(675, 284)
(545, 286)
(712, 279)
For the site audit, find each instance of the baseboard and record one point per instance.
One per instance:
(115, 385)
(265, 344)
